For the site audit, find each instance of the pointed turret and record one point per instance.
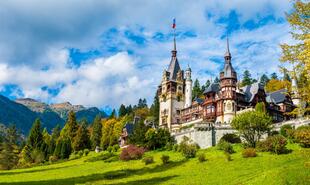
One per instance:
(228, 71)
(174, 65)
(227, 55)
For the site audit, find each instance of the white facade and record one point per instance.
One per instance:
(188, 88)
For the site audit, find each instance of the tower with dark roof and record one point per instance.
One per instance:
(171, 93)
(226, 106)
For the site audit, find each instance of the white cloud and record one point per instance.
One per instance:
(36, 35)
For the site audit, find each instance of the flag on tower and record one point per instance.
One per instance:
(173, 24)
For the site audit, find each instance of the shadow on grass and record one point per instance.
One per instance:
(35, 170)
(117, 174)
(151, 181)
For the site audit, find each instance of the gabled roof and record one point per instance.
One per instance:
(213, 87)
(174, 68)
(276, 96)
(129, 128)
(198, 100)
(251, 90)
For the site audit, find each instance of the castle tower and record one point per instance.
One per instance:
(188, 87)
(295, 96)
(228, 83)
(171, 93)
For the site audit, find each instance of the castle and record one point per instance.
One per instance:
(222, 100)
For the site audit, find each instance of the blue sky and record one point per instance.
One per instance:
(104, 53)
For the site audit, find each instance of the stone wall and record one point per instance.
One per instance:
(205, 136)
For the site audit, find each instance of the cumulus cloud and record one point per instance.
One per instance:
(36, 38)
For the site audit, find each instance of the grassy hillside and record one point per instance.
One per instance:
(293, 168)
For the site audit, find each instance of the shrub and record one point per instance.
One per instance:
(226, 147)
(103, 157)
(249, 152)
(165, 159)
(284, 129)
(115, 148)
(132, 153)
(53, 158)
(275, 144)
(231, 138)
(273, 133)
(86, 152)
(80, 153)
(228, 156)
(175, 147)
(169, 146)
(74, 156)
(37, 156)
(202, 157)
(188, 149)
(110, 149)
(302, 136)
(148, 160)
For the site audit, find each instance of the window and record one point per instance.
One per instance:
(179, 98)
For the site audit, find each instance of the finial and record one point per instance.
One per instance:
(227, 44)
(227, 54)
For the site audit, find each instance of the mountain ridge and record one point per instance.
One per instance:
(24, 111)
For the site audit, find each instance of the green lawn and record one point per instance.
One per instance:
(293, 168)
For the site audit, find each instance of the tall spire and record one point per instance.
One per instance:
(227, 55)
(227, 42)
(174, 51)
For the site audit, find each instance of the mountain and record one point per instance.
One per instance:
(63, 109)
(23, 113)
(12, 112)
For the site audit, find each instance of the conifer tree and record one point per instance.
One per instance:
(196, 89)
(46, 143)
(113, 114)
(55, 135)
(71, 126)
(81, 140)
(122, 111)
(274, 76)
(216, 80)
(154, 109)
(96, 132)
(247, 80)
(129, 109)
(35, 137)
(9, 149)
(264, 79)
(65, 148)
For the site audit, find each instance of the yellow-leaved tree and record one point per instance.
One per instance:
(298, 54)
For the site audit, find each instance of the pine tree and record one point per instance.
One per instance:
(81, 140)
(274, 76)
(196, 89)
(9, 149)
(55, 135)
(35, 137)
(264, 79)
(65, 148)
(71, 126)
(155, 109)
(129, 109)
(139, 131)
(247, 80)
(96, 132)
(216, 80)
(113, 114)
(46, 143)
(122, 111)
